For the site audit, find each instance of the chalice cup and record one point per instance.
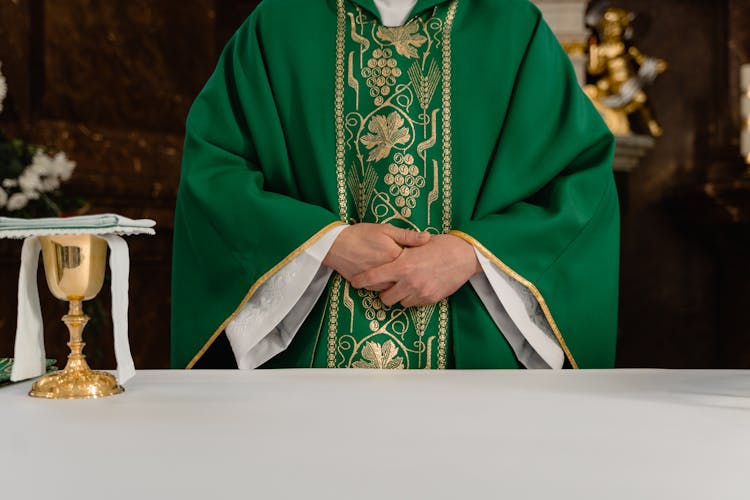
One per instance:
(74, 266)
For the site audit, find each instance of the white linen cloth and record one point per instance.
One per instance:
(394, 12)
(29, 355)
(398, 434)
(82, 224)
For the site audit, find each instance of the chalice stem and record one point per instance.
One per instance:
(75, 320)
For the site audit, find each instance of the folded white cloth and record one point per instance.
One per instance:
(82, 224)
(29, 349)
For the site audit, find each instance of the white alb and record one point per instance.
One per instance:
(394, 12)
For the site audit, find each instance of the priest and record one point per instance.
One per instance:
(395, 184)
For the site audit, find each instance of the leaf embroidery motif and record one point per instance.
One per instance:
(404, 38)
(386, 132)
(381, 357)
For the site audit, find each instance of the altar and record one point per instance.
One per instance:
(361, 434)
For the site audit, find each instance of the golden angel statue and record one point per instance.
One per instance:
(620, 72)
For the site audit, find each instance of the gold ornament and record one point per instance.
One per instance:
(621, 73)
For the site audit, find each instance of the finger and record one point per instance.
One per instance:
(377, 277)
(395, 294)
(375, 287)
(416, 301)
(406, 237)
(409, 301)
(379, 287)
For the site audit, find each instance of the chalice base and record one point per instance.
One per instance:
(75, 384)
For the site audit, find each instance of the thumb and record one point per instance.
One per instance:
(406, 237)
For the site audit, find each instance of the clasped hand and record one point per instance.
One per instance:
(413, 268)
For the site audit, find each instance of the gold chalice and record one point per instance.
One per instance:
(74, 265)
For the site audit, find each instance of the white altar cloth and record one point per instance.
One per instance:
(360, 434)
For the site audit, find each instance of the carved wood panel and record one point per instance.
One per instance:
(111, 83)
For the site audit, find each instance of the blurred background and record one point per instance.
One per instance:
(110, 82)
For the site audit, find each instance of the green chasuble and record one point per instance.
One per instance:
(467, 120)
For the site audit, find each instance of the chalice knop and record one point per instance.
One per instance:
(74, 266)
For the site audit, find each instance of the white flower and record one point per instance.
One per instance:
(30, 183)
(50, 170)
(63, 167)
(41, 164)
(17, 201)
(3, 89)
(44, 175)
(49, 184)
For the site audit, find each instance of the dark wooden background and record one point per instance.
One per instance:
(110, 82)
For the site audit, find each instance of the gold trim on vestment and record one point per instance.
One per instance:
(423, 80)
(447, 169)
(258, 284)
(530, 286)
(333, 321)
(339, 110)
(447, 131)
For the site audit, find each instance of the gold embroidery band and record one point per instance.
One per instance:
(447, 171)
(333, 321)
(447, 131)
(530, 286)
(341, 162)
(339, 110)
(257, 285)
(340, 172)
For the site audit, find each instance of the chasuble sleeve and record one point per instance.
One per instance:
(239, 219)
(559, 237)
